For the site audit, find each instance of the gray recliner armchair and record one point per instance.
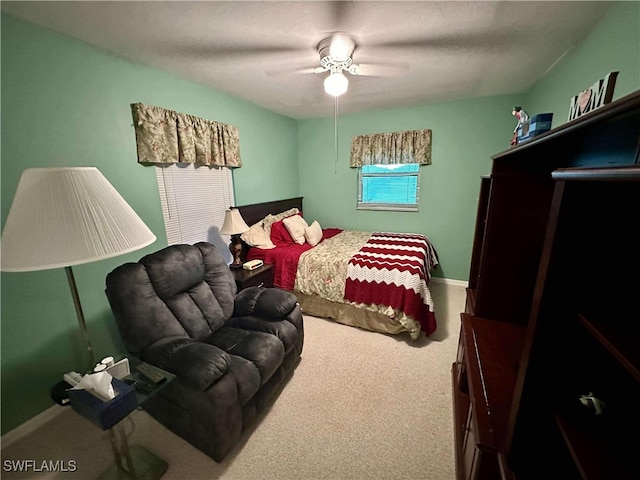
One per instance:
(231, 352)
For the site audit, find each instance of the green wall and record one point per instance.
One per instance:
(65, 103)
(465, 134)
(613, 46)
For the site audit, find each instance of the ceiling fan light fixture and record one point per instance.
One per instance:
(336, 84)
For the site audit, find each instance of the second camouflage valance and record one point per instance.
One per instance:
(413, 146)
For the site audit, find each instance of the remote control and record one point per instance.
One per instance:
(72, 378)
(144, 387)
(151, 373)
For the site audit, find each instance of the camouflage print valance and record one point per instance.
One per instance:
(412, 146)
(164, 136)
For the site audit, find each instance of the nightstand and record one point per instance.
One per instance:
(260, 277)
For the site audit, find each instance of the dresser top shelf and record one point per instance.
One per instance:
(618, 111)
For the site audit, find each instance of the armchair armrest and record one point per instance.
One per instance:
(264, 302)
(197, 364)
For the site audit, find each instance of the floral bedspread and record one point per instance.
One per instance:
(322, 270)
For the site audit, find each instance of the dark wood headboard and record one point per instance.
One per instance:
(257, 211)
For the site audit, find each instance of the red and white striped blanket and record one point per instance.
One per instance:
(393, 269)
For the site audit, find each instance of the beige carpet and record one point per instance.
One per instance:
(361, 405)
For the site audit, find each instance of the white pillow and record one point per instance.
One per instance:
(257, 237)
(296, 225)
(313, 233)
(271, 219)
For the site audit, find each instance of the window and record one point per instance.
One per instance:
(193, 204)
(389, 187)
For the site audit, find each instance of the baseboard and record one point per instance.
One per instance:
(31, 425)
(450, 281)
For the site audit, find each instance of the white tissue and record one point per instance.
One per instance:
(98, 384)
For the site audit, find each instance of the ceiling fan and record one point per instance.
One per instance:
(336, 57)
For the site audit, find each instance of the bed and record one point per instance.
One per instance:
(378, 281)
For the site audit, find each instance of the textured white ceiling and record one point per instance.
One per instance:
(420, 52)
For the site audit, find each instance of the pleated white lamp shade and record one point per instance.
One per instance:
(68, 216)
(233, 223)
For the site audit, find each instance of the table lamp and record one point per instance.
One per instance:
(234, 225)
(66, 216)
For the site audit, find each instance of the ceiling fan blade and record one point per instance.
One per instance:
(291, 71)
(381, 69)
(473, 41)
(342, 15)
(229, 52)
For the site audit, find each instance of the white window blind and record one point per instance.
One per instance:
(193, 204)
(393, 187)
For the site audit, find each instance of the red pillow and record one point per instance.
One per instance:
(280, 235)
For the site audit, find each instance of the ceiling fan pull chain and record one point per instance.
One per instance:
(335, 132)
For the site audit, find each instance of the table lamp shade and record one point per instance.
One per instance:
(68, 216)
(233, 223)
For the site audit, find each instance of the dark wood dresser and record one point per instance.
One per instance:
(547, 376)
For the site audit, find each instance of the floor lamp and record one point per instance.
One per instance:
(61, 217)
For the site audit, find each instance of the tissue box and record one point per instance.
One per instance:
(105, 414)
(537, 124)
